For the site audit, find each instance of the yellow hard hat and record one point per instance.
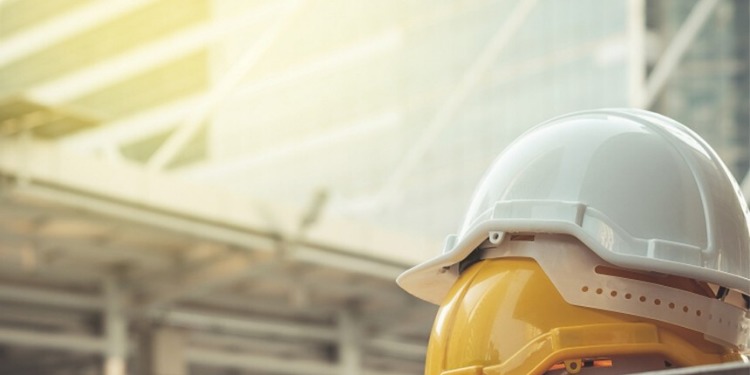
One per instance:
(505, 316)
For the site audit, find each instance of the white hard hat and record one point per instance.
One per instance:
(641, 190)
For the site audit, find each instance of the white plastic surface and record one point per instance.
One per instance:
(571, 268)
(642, 191)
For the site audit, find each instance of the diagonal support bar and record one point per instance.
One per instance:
(195, 119)
(676, 50)
(64, 26)
(453, 103)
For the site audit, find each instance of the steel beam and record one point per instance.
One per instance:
(60, 341)
(57, 29)
(56, 320)
(244, 325)
(191, 227)
(216, 358)
(277, 308)
(35, 295)
(241, 343)
(339, 260)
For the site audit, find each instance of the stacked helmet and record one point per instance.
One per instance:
(602, 241)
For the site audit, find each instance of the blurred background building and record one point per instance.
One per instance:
(231, 187)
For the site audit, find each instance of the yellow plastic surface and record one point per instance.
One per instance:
(505, 317)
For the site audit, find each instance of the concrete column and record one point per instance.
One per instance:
(349, 349)
(115, 329)
(168, 352)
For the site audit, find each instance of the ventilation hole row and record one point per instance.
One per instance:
(657, 302)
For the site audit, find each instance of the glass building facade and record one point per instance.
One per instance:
(709, 89)
(396, 108)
